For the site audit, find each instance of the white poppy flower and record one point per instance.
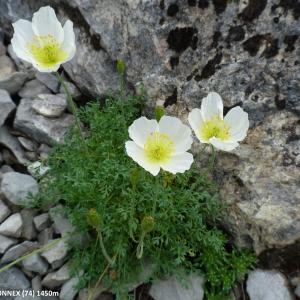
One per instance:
(162, 144)
(210, 126)
(44, 42)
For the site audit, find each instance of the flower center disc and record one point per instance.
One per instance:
(215, 127)
(46, 51)
(159, 147)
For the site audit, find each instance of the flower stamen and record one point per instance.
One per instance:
(215, 127)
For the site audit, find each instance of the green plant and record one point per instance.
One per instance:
(171, 222)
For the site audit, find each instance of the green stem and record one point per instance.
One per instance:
(140, 247)
(104, 252)
(71, 103)
(213, 158)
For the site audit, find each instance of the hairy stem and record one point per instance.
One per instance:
(104, 252)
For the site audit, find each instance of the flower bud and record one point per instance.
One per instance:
(147, 224)
(159, 112)
(120, 67)
(93, 218)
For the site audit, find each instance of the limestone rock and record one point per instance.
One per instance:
(7, 106)
(12, 226)
(61, 224)
(29, 231)
(267, 285)
(35, 264)
(6, 66)
(44, 130)
(4, 211)
(56, 279)
(42, 221)
(32, 89)
(172, 289)
(45, 236)
(27, 143)
(16, 187)
(68, 290)
(13, 278)
(49, 80)
(56, 255)
(5, 243)
(13, 82)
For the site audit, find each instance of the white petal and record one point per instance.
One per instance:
(179, 133)
(238, 121)
(211, 106)
(179, 163)
(138, 155)
(68, 44)
(221, 145)
(20, 49)
(46, 70)
(140, 129)
(44, 22)
(196, 122)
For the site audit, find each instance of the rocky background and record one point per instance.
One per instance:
(247, 51)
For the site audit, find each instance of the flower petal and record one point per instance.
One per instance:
(138, 155)
(140, 129)
(238, 121)
(211, 106)
(44, 22)
(68, 44)
(46, 70)
(196, 122)
(179, 163)
(221, 145)
(179, 133)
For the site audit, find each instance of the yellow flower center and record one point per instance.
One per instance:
(46, 51)
(215, 127)
(159, 147)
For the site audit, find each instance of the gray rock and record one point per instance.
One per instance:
(2, 48)
(12, 226)
(36, 283)
(84, 294)
(172, 289)
(42, 221)
(16, 187)
(13, 278)
(49, 80)
(18, 250)
(61, 224)
(35, 263)
(44, 151)
(267, 285)
(71, 88)
(44, 130)
(6, 66)
(7, 106)
(69, 290)
(56, 254)
(11, 142)
(56, 279)
(6, 169)
(297, 291)
(13, 82)
(32, 89)
(4, 211)
(51, 106)
(45, 236)
(27, 143)
(29, 231)
(5, 243)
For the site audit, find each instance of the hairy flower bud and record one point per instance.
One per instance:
(93, 218)
(147, 224)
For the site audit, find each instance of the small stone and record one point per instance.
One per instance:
(2, 48)
(61, 224)
(36, 283)
(12, 279)
(172, 289)
(6, 66)
(69, 290)
(267, 285)
(32, 89)
(56, 279)
(50, 106)
(4, 211)
(18, 250)
(56, 255)
(42, 129)
(12, 226)
(6, 169)
(16, 186)
(45, 236)
(27, 143)
(44, 151)
(35, 264)
(49, 80)
(42, 221)
(29, 231)
(7, 106)
(13, 82)
(5, 243)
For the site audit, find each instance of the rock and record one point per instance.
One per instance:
(44, 151)
(5, 243)
(267, 285)
(16, 187)
(69, 290)
(12, 226)
(4, 211)
(2, 48)
(297, 291)
(12, 143)
(56, 279)
(61, 223)
(13, 82)
(18, 250)
(56, 254)
(35, 264)
(36, 283)
(27, 143)
(6, 169)
(84, 294)
(45, 236)
(7, 106)
(171, 289)
(28, 232)
(12, 279)
(42, 221)
(6, 66)
(43, 130)
(71, 88)
(51, 106)
(32, 89)
(49, 80)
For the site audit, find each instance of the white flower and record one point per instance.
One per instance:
(210, 126)
(44, 42)
(160, 145)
